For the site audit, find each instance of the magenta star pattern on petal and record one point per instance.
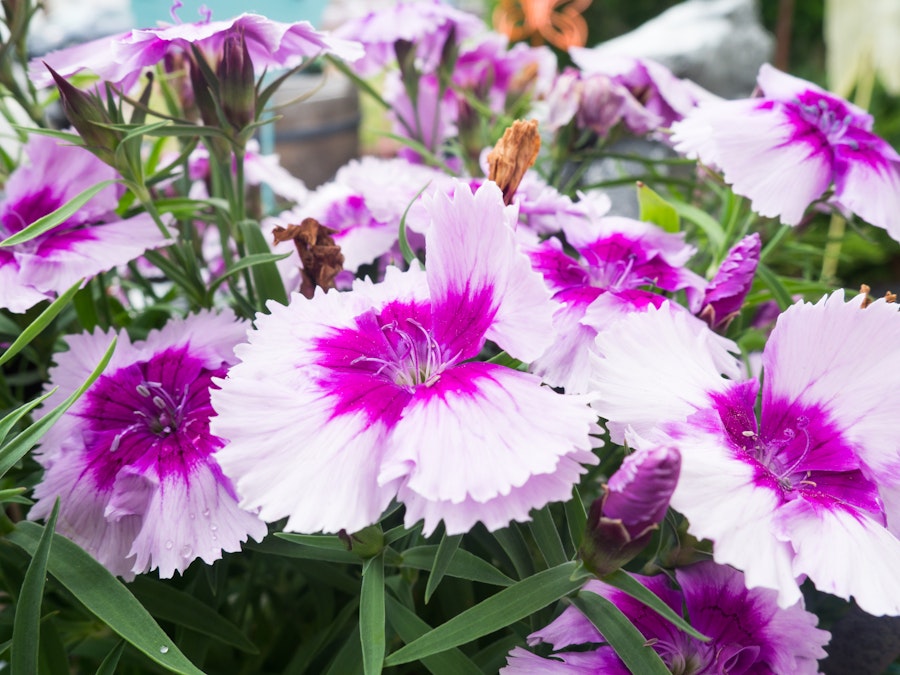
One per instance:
(92, 240)
(131, 462)
(370, 395)
(794, 145)
(812, 474)
(749, 632)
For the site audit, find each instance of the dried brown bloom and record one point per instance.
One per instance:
(513, 155)
(321, 257)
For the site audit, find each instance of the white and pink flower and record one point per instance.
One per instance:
(347, 401)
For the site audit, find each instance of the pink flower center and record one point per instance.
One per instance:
(829, 116)
(415, 356)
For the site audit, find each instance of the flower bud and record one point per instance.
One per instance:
(726, 292)
(237, 82)
(602, 104)
(87, 113)
(622, 521)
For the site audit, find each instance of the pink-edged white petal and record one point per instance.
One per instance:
(845, 554)
(14, 295)
(474, 266)
(867, 181)
(567, 362)
(523, 662)
(822, 355)
(499, 512)
(63, 258)
(481, 432)
(721, 498)
(780, 163)
(290, 452)
(688, 360)
(82, 514)
(183, 521)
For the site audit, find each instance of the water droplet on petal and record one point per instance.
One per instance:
(169, 545)
(192, 516)
(163, 650)
(186, 551)
(213, 527)
(206, 513)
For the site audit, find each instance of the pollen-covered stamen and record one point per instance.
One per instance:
(163, 416)
(830, 117)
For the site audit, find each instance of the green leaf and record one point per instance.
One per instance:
(409, 627)
(104, 596)
(773, 283)
(576, 518)
(463, 565)
(628, 584)
(371, 615)
(546, 536)
(14, 495)
(169, 604)
(11, 419)
(27, 622)
(710, 226)
(655, 209)
(348, 659)
(445, 552)
(39, 324)
(54, 218)
(510, 539)
(292, 549)
(266, 277)
(621, 634)
(245, 263)
(16, 449)
(405, 249)
(497, 612)
(109, 664)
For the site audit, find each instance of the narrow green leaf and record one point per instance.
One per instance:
(16, 449)
(11, 419)
(463, 565)
(54, 218)
(621, 634)
(498, 611)
(290, 549)
(546, 536)
(266, 277)
(348, 660)
(628, 584)
(445, 552)
(773, 283)
(504, 359)
(510, 539)
(409, 627)
(371, 615)
(104, 596)
(39, 324)
(405, 249)
(169, 604)
(27, 622)
(245, 263)
(654, 209)
(313, 644)
(710, 226)
(14, 495)
(109, 664)
(576, 518)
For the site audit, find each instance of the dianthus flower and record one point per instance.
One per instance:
(131, 461)
(748, 632)
(120, 59)
(805, 489)
(620, 259)
(794, 145)
(343, 402)
(92, 240)
(427, 24)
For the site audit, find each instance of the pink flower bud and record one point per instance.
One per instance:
(621, 522)
(726, 292)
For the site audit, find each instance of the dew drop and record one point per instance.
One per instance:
(186, 551)
(163, 650)
(206, 513)
(169, 545)
(213, 527)
(192, 516)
